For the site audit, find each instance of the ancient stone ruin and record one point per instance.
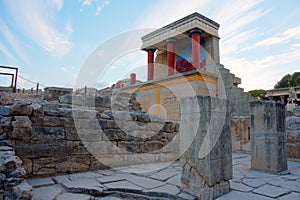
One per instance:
(174, 136)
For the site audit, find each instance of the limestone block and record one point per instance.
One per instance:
(12, 163)
(22, 191)
(21, 122)
(27, 164)
(32, 149)
(37, 109)
(6, 122)
(78, 148)
(132, 146)
(68, 122)
(21, 133)
(268, 155)
(87, 124)
(205, 139)
(108, 124)
(52, 121)
(40, 132)
(100, 147)
(90, 135)
(50, 106)
(268, 136)
(194, 184)
(4, 111)
(21, 109)
(153, 146)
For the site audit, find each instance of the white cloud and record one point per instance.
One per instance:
(58, 4)
(36, 21)
(99, 8)
(69, 27)
(87, 2)
(296, 45)
(12, 40)
(286, 36)
(8, 55)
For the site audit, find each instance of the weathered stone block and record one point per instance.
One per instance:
(6, 122)
(48, 132)
(37, 109)
(108, 124)
(90, 135)
(268, 136)
(4, 111)
(132, 146)
(51, 121)
(205, 137)
(100, 147)
(21, 122)
(268, 155)
(21, 109)
(21, 133)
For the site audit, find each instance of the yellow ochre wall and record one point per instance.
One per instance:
(162, 96)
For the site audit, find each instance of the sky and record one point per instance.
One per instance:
(50, 40)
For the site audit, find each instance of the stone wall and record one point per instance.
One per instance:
(53, 137)
(240, 133)
(238, 99)
(293, 133)
(13, 185)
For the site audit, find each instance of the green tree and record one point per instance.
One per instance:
(259, 93)
(289, 81)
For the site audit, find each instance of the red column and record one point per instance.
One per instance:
(118, 85)
(195, 36)
(132, 78)
(150, 63)
(171, 56)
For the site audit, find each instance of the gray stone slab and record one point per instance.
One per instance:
(164, 174)
(46, 193)
(255, 183)
(124, 186)
(86, 186)
(90, 175)
(109, 179)
(236, 195)
(165, 191)
(270, 191)
(186, 196)
(240, 187)
(72, 196)
(256, 174)
(291, 196)
(146, 183)
(38, 182)
(105, 172)
(61, 179)
(290, 177)
(175, 180)
(144, 168)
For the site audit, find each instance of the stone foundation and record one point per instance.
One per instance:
(52, 137)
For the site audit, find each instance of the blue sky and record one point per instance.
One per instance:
(50, 40)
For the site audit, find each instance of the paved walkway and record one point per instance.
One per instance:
(164, 183)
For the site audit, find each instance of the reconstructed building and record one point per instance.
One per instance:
(184, 60)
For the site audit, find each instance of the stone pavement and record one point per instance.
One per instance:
(162, 181)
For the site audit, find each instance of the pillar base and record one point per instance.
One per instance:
(194, 184)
